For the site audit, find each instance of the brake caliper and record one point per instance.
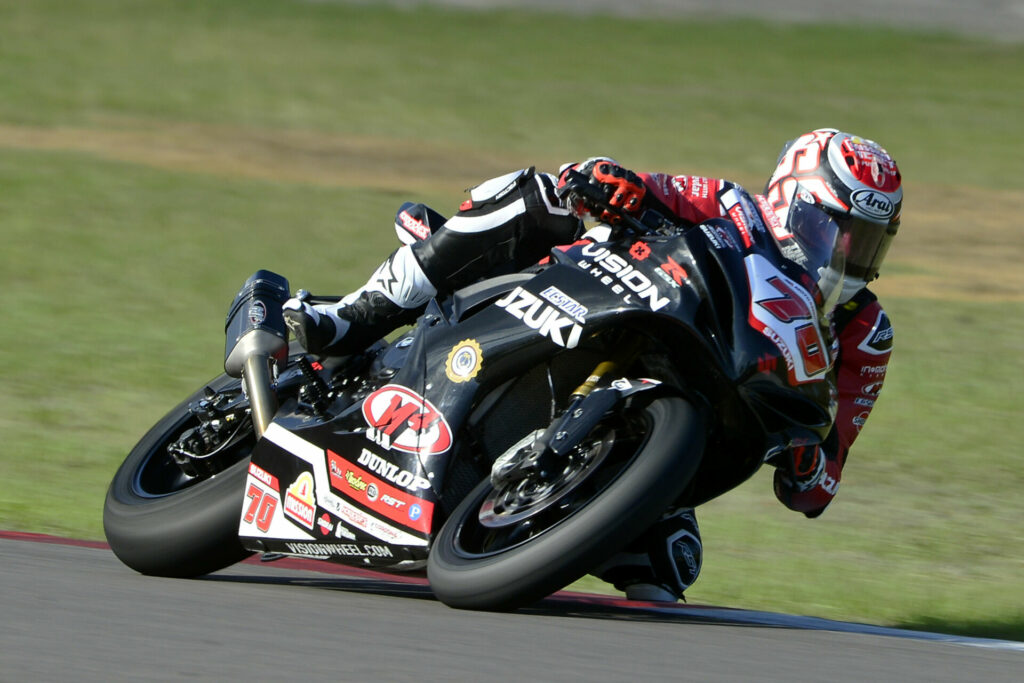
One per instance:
(223, 421)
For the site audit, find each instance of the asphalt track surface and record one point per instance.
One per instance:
(998, 19)
(72, 611)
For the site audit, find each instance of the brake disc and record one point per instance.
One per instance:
(522, 492)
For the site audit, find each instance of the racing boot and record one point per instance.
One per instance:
(662, 563)
(393, 296)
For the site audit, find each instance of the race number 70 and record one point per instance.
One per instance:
(261, 508)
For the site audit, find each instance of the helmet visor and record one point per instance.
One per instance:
(867, 244)
(822, 244)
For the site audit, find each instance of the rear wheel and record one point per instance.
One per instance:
(503, 549)
(161, 521)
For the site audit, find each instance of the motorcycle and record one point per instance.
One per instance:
(524, 430)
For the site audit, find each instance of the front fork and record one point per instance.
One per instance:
(624, 357)
(588, 405)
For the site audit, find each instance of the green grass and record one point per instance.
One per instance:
(662, 93)
(118, 258)
(116, 283)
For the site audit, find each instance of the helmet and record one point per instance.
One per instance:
(852, 179)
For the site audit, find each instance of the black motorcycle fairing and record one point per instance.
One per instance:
(431, 410)
(761, 402)
(406, 425)
(355, 508)
(788, 396)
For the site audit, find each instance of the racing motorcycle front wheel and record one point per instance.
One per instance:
(508, 547)
(162, 520)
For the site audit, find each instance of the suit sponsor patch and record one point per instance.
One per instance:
(879, 340)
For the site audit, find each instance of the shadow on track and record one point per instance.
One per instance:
(566, 604)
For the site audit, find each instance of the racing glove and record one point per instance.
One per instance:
(622, 188)
(806, 480)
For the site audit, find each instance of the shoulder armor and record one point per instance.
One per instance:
(496, 188)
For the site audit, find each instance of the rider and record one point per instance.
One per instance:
(511, 222)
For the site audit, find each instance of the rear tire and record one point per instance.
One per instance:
(469, 569)
(157, 523)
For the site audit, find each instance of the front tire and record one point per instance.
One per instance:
(159, 523)
(471, 567)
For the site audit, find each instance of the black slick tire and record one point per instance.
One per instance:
(525, 573)
(178, 533)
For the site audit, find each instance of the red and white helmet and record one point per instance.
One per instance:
(856, 182)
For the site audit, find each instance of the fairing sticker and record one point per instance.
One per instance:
(622, 277)
(333, 503)
(263, 512)
(784, 311)
(299, 503)
(360, 485)
(464, 361)
(402, 420)
(547, 320)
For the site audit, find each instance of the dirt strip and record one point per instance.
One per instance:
(957, 243)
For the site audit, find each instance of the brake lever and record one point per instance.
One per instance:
(313, 299)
